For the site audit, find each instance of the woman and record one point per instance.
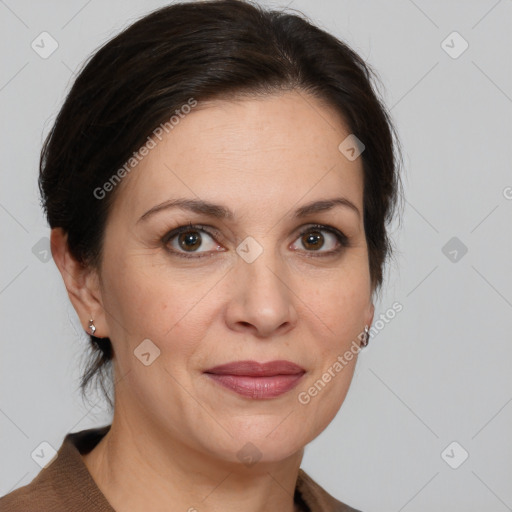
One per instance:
(218, 184)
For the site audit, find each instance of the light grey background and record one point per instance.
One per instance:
(439, 372)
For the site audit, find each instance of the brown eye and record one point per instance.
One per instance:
(323, 240)
(189, 240)
(313, 240)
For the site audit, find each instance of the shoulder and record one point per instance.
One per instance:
(317, 498)
(39, 495)
(63, 484)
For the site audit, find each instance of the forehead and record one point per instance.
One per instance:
(255, 152)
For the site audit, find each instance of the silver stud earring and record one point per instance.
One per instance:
(366, 339)
(91, 327)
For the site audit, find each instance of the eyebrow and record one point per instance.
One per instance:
(221, 212)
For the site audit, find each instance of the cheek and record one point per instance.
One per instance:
(340, 303)
(146, 301)
(321, 398)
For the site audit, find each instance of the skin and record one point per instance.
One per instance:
(175, 432)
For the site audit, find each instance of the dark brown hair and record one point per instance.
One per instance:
(204, 50)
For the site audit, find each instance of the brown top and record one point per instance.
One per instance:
(66, 484)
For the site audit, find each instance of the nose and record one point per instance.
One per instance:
(261, 300)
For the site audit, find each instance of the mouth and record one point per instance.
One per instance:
(257, 380)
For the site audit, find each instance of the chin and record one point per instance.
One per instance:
(263, 445)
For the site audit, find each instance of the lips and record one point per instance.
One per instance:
(257, 380)
(255, 369)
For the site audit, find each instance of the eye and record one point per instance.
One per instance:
(314, 238)
(189, 239)
(197, 241)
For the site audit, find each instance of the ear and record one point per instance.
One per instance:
(82, 283)
(369, 317)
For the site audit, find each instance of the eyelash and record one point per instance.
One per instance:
(342, 239)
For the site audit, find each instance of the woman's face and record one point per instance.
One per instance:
(261, 284)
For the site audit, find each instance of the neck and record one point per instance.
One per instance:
(139, 469)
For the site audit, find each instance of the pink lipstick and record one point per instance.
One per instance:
(257, 380)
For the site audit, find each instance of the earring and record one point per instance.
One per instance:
(91, 327)
(366, 339)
